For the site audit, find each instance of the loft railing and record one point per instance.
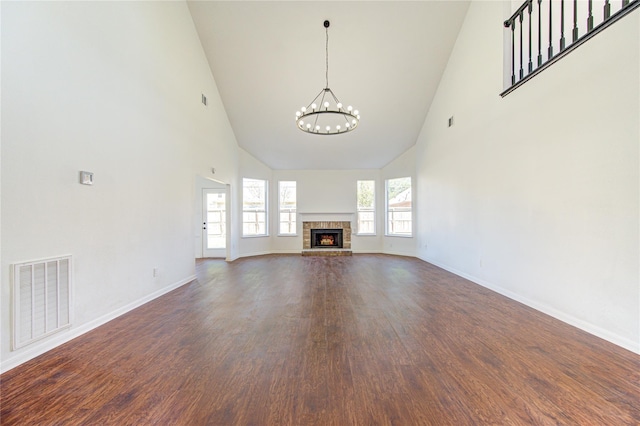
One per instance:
(535, 24)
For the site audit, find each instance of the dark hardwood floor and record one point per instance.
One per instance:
(361, 340)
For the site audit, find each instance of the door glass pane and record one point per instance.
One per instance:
(216, 218)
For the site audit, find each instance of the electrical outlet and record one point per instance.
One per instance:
(155, 272)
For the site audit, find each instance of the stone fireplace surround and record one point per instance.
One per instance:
(346, 236)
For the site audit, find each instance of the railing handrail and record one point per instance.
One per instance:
(627, 6)
(517, 13)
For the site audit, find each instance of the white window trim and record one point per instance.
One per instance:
(374, 210)
(295, 233)
(386, 210)
(266, 210)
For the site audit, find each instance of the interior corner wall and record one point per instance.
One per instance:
(113, 88)
(403, 166)
(536, 194)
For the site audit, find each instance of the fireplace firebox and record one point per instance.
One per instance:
(326, 238)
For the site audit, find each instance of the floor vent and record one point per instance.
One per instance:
(41, 299)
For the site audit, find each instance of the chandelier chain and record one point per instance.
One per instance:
(326, 74)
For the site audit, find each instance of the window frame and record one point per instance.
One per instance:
(265, 196)
(387, 231)
(295, 210)
(365, 210)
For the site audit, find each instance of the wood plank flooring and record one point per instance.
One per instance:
(360, 340)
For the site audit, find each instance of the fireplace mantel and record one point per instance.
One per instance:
(327, 216)
(325, 213)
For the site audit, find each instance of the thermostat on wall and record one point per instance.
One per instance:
(86, 178)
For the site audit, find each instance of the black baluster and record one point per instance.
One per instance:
(590, 18)
(575, 20)
(530, 10)
(562, 41)
(513, 52)
(539, 32)
(550, 50)
(521, 71)
(607, 10)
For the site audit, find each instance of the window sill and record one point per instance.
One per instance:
(287, 235)
(399, 235)
(255, 236)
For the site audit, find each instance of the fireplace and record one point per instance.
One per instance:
(326, 238)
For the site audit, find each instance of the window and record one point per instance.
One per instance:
(287, 207)
(398, 199)
(366, 214)
(254, 207)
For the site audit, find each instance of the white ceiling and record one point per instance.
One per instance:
(385, 58)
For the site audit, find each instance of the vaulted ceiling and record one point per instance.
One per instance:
(386, 58)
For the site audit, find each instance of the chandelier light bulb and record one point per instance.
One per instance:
(326, 104)
(328, 128)
(355, 112)
(347, 124)
(308, 126)
(339, 105)
(349, 108)
(317, 128)
(338, 127)
(303, 109)
(314, 106)
(298, 114)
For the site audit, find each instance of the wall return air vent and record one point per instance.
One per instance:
(41, 299)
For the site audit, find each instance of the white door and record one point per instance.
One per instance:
(214, 223)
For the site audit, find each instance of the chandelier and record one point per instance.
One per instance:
(325, 114)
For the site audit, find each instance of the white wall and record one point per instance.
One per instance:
(536, 195)
(113, 88)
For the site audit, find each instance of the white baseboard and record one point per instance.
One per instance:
(300, 251)
(63, 337)
(285, 251)
(562, 316)
(399, 253)
(257, 253)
